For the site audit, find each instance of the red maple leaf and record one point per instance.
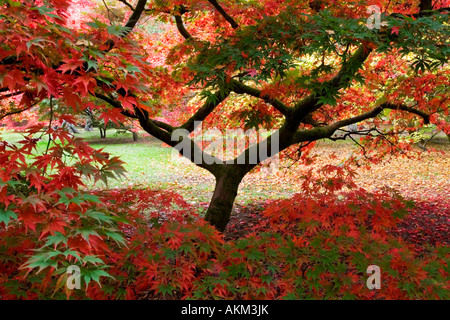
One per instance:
(252, 72)
(395, 30)
(113, 115)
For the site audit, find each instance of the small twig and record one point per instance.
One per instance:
(387, 6)
(109, 11)
(18, 111)
(50, 125)
(299, 153)
(392, 144)
(9, 95)
(127, 4)
(424, 144)
(361, 146)
(227, 17)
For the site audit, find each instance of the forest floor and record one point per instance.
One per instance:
(425, 179)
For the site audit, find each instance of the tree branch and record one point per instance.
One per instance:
(127, 4)
(134, 18)
(423, 115)
(17, 111)
(9, 95)
(131, 23)
(194, 152)
(163, 125)
(289, 134)
(328, 130)
(116, 104)
(241, 88)
(227, 17)
(210, 104)
(181, 28)
(311, 103)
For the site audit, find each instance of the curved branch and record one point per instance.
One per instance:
(127, 4)
(17, 111)
(423, 115)
(349, 67)
(134, 18)
(9, 95)
(116, 104)
(163, 125)
(239, 87)
(227, 17)
(328, 130)
(210, 104)
(131, 23)
(194, 153)
(181, 28)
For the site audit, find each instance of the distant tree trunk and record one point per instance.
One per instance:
(102, 132)
(88, 126)
(70, 127)
(73, 129)
(135, 136)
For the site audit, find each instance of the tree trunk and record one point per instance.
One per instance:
(221, 205)
(88, 126)
(102, 133)
(426, 5)
(135, 136)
